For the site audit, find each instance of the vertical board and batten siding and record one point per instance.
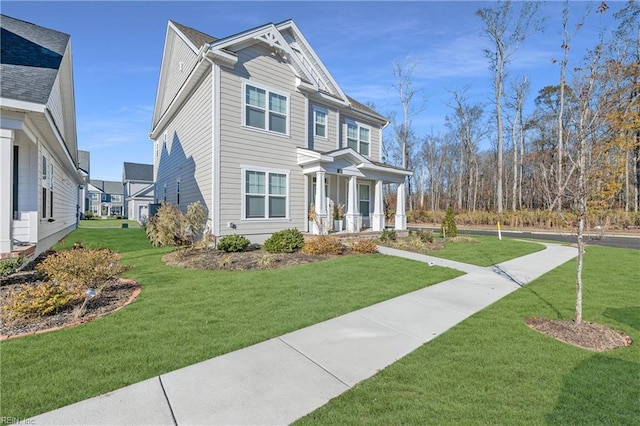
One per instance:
(374, 143)
(187, 154)
(172, 77)
(329, 143)
(243, 146)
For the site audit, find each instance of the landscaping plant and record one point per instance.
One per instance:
(233, 243)
(286, 241)
(449, 228)
(323, 244)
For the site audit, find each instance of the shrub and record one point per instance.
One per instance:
(449, 228)
(40, 299)
(323, 244)
(388, 235)
(233, 243)
(286, 241)
(363, 246)
(88, 215)
(9, 266)
(424, 236)
(78, 270)
(170, 227)
(267, 261)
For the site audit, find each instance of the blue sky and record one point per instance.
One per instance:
(117, 50)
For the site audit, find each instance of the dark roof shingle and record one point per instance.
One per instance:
(198, 38)
(138, 172)
(30, 57)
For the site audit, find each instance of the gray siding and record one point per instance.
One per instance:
(374, 146)
(172, 78)
(242, 146)
(331, 141)
(187, 153)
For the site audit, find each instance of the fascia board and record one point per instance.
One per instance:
(22, 105)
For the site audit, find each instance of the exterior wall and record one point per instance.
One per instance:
(186, 155)
(375, 142)
(331, 142)
(174, 74)
(133, 207)
(65, 198)
(243, 146)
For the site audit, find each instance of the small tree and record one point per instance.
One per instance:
(449, 228)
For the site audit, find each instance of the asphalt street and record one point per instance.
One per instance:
(628, 242)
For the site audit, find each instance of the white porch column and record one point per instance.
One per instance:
(353, 216)
(6, 190)
(377, 223)
(401, 217)
(320, 225)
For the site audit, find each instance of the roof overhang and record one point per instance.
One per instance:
(348, 162)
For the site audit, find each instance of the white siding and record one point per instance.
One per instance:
(187, 154)
(245, 146)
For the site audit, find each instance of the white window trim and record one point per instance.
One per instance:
(246, 168)
(326, 123)
(368, 200)
(267, 90)
(359, 126)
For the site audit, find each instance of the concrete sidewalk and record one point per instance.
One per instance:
(282, 379)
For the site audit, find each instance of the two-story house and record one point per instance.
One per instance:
(106, 197)
(39, 178)
(248, 124)
(137, 180)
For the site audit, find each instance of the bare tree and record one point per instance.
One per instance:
(506, 35)
(520, 91)
(403, 82)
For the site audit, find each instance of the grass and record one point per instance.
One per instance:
(493, 369)
(186, 316)
(108, 223)
(488, 251)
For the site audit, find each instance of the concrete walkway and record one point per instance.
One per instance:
(283, 379)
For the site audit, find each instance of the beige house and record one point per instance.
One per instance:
(40, 183)
(248, 124)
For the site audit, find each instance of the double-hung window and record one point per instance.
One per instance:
(265, 194)
(320, 123)
(358, 138)
(266, 110)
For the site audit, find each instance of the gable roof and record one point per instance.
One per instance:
(84, 160)
(108, 186)
(138, 172)
(198, 38)
(30, 59)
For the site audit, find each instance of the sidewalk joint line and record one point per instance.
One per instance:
(166, 397)
(312, 361)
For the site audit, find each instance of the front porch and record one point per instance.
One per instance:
(352, 197)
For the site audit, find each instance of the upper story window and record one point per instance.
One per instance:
(115, 197)
(44, 168)
(320, 123)
(266, 110)
(358, 138)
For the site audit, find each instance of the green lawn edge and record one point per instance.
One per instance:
(186, 316)
(493, 369)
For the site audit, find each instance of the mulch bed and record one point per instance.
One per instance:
(113, 297)
(587, 335)
(243, 261)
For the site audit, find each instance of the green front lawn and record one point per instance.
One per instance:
(108, 223)
(493, 369)
(186, 316)
(489, 250)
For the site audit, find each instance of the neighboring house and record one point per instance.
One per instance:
(138, 190)
(39, 178)
(106, 197)
(247, 125)
(84, 162)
